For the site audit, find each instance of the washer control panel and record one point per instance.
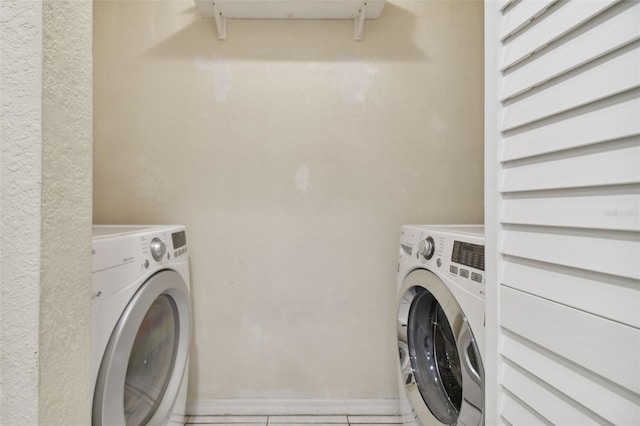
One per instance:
(468, 254)
(457, 251)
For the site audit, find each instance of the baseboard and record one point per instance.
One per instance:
(270, 407)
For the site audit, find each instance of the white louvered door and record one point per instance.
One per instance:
(563, 212)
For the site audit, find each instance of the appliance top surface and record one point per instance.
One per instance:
(475, 230)
(108, 231)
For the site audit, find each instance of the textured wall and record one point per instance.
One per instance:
(20, 143)
(66, 213)
(293, 154)
(45, 196)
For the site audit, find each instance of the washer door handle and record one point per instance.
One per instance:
(468, 344)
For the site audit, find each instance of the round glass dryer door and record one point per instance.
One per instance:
(143, 365)
(444, 377)
(151, 361)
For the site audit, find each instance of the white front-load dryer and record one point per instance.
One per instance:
(140, 323)
(440, 324)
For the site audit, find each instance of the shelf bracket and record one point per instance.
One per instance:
(358, 22)
(358, 10)
(221, 22)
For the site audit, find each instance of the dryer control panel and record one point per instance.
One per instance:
(124, 254)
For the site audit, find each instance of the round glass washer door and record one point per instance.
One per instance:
(443, 377)
(143, 364)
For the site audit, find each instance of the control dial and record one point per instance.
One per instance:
(158, 249)
(426, 248)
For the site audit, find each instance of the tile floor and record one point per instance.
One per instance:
(337, 420)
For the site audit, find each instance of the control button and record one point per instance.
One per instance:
(158, 249)
(426, 248)
(464, 273)
(453, 269)
(476, 277)
(175, 254)
(146, 264)
(439, 262)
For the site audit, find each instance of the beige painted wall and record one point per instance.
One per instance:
(293, 154)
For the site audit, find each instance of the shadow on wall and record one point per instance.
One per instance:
(297, 40)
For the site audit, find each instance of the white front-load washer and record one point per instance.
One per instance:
(440, 324)
(140, 323)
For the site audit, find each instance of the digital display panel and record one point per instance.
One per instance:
(471, 255)
(179, 239)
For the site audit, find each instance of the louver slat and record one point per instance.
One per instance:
(541, 33)
(607, 348)
(617, 30)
